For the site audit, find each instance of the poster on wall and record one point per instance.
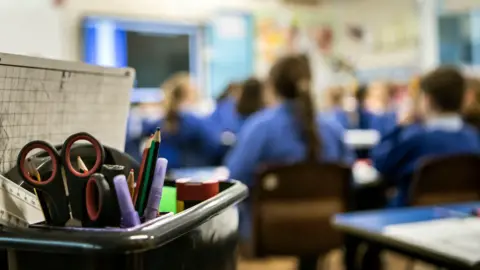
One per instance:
(271, 40)
(282, 32)
(310, 33)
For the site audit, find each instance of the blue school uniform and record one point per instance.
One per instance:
(272, 136)
(366, 119)
(225, 117)
(385, 122)
(135, 136)
(398, 154)
(193, 144)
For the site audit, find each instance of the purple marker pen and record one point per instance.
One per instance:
(156, 190)
(129, 215)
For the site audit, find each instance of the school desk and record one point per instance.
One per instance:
(382, 228)
(361, 139)
(363, 173)
(200, 173)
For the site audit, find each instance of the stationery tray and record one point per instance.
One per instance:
(149, 235)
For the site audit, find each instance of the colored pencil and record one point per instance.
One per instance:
(142, 169)
(131, 183)
(152, 170)
(146, 182)
(81, 165)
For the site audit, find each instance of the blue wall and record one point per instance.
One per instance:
(232, 56)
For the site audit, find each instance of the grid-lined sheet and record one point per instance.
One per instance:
(42, 99)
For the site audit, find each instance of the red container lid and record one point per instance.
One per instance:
(189, 190)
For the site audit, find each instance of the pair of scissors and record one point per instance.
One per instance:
(101, 197)
(99, 200)
(64, 188)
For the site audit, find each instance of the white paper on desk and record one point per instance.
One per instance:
(358, 138)
(453, 237)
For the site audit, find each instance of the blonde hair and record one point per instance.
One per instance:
(474, 85)
(335, 97)
(175, 90)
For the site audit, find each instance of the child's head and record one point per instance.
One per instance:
(442, 91)
(251, 98)
(179, 89)
(378, 97)
(179, 93)
(232, 90)
(361, 95)
(291, 79)
(335, 97)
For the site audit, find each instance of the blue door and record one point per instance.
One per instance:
(230, 43)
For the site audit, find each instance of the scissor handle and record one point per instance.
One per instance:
(52, 153)
(98, 197)
(66, 154)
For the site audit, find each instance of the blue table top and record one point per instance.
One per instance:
(376, 221)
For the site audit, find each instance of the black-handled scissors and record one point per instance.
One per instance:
(98, 199)
(64, 189)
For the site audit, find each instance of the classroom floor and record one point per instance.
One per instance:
(333, 262)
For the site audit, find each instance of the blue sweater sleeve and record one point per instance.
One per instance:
(393, 151)
(246, 155)
(137, 130)
(345, 153)
(209, 136)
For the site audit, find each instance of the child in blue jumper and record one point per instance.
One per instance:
(187, 140)
(232, 110)
(441, 132)
(288, 133)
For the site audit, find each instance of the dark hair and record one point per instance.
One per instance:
(251, 98)
(361, 95)
(175, 92)
(228, 91)
(291, 78)
(446, 88)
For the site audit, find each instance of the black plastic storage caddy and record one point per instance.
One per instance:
(203, 237)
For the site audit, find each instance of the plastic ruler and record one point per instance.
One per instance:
(18, 206)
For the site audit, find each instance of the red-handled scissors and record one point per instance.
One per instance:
(64, 188)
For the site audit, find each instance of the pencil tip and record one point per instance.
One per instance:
(156, 136)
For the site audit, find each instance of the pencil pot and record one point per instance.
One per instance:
(202, 237)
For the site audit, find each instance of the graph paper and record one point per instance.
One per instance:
(42, 99)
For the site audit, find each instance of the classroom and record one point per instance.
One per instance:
(240, 134)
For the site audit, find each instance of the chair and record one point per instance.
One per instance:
(292, 207)
(448, 179)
